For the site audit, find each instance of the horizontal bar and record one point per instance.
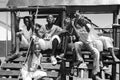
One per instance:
(57, 8)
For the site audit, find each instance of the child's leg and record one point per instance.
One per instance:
(55, 40)
(108, 45)
(54, 47)
(96, 60)
(78, 47)
(38, 74)
(111, 50)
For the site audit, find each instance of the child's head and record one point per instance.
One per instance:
(38, 30)
(77, 14)
(50, 19)
(37, 26)
(67, 21)
(27, 21)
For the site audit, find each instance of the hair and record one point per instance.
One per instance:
(26, 17)
(66, 20)
(52, 16)
(30, 22)
(38, 25)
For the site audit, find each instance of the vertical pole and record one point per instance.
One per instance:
(13, 41)
(115, 38)
(113, 71)
(63, 75)
(63, 17)
(6, 34)
(119, 37)
(114, 29)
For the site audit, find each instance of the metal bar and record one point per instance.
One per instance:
(113, 71)
(6, 35)
(13, 32)
(63, 18)
(33, 8)
(114, 28)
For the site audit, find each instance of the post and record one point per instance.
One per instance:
(119, 36)
(113, 71)
(63, 70)
(114, 29)
(13, 40)
(116, 15)
(63, 18)
(6, 35)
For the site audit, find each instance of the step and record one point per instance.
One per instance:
(104, 61)
(8, 79)
(48, 60)
(77, 78)
(52, 74)
(116, 48)
(9, 73)
(47, 79)
(18, 66)
(83, 52)
(11, 66)
(111, 62)
(43, 60)
(50, 66)
(20, 59)
(87, 66)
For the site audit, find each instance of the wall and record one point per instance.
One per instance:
(5, 34)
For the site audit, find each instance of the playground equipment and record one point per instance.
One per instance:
(64, 69)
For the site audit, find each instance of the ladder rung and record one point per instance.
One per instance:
(9, 73)
(11, 66)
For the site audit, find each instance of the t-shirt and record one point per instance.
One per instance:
(51, 32)
(27, 34)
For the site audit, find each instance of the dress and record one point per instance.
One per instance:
(82, 29)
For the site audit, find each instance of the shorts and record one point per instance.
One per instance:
(98, 45)
(107, 42)
(47, 44)
(24, 42)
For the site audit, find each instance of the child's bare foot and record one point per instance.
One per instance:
(17, 52)
(116, 59)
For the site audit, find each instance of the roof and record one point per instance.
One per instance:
(61, 2)
(85, 6)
